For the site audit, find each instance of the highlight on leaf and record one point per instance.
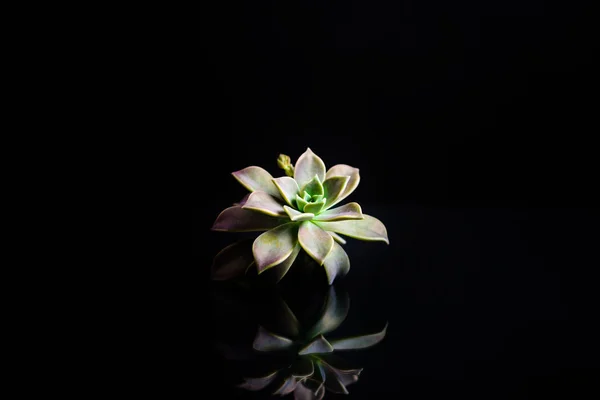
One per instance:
(301, 203)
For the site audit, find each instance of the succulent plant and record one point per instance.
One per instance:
(296, 211)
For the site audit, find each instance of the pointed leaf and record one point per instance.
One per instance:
(236, 219)
(256, 178)
(314, 187)
(301, 203)
(306, 196)
(287, 386)
(334, 313)
(314, 199)
(267, 341)
(334, 187)
(296, 215)
(345, 375)
(302, 368)
(338, 363)
(316, 207)
(274, 246)
(345, 170)
(232, 261)
(345, 212)
(288, 188)
(315, 241)
(337, 263)
(369, 228)
(347, 378)
(359, 342)
(332, 382)
(319, 345)
(281, 269)
(337, 237)
(255, 384)
(307, 166)
(264, 203)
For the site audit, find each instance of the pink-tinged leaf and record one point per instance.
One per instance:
(296, 215)
(369, 228)
(337, 237)
(347, 379)
(334, 187)
(267, 341)
(337, 263)
(236, 219)
(257, 179)
(274, 246)
(345, 170)
(315, 241)
(288, 189)
(332, 382)
(339, 364)
(255, 384)
(318, 345)
(345, 375)
(307, 166)
(287, 386)
(264, 203)
(302, 368)
(333, 314)
(281, 269)
(232, 261)
(345, 212)
(359, 342)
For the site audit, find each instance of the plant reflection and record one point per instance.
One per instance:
(292, 352)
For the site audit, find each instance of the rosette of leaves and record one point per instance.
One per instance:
(314, 368)
(298, 211)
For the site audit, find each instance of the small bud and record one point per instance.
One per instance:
(285, 163)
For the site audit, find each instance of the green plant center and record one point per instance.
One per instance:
(310, 203)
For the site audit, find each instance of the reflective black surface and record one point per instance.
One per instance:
(473, 124)
(481, 303)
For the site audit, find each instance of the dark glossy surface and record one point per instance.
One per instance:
(473, 124)
(480, 304)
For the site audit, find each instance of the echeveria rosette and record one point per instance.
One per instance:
(296, 211)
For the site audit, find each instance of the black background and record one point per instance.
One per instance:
(474, 128)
